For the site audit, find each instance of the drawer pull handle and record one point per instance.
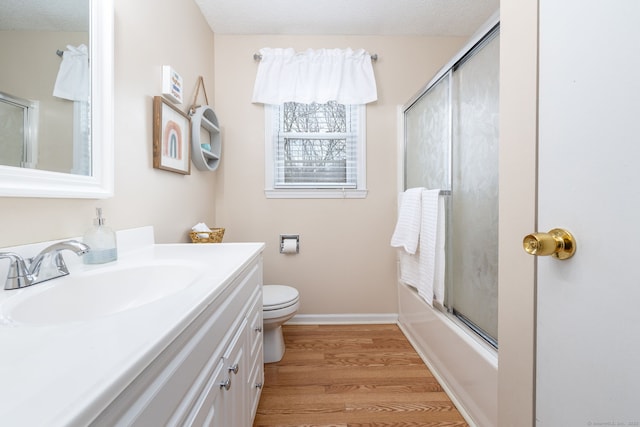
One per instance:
(234, 368)
(226, 384)
(258, 385)
(258, 329)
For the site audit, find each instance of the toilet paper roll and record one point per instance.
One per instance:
(289, 246)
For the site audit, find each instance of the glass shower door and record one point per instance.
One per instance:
(428, 132)
(451, 144)
(474, 201)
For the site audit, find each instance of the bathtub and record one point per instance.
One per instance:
(465, 367)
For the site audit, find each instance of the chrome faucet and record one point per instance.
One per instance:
(47, 265)
(18, 276)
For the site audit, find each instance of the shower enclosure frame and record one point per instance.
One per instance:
(446, 183)
(464, 363)
(29, 110)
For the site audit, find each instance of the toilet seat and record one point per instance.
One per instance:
(276, 297)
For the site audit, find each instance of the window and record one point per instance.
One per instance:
(315, 151)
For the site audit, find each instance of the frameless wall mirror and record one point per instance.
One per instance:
(56, 98)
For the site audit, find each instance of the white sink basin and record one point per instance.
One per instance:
(98, 293)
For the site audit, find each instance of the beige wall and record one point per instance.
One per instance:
(332, 278)
(345, 263)
(148, 34)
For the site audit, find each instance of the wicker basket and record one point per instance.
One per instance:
(213, 236)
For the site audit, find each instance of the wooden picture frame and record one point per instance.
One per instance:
(171, 137)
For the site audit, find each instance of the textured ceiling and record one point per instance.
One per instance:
(44, 15)
(348, 17)
(330, 17)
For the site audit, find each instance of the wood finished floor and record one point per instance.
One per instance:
(352, 376)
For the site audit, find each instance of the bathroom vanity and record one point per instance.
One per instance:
(118, 344)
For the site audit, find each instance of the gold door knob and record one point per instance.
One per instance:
(558, 243)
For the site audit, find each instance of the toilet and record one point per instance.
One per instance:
(279, 304)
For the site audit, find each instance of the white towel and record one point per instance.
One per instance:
(424, 270)
(72, 82)
(439, 263)
(201, 226)
(432, 247)
(407, 232)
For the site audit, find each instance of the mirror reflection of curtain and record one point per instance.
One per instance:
(72, 83)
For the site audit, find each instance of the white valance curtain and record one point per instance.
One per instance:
(320, 76)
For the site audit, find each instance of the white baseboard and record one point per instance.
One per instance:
(346, 319)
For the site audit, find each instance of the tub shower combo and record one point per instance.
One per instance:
(450, 142)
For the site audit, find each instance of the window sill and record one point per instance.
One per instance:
(315, 194)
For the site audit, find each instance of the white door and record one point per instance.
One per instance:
(588, 312)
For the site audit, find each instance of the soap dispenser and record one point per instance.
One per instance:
(102, 242)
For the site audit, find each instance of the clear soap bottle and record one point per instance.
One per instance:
(102, 242)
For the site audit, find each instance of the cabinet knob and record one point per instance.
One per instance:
(258, 385)
(258, 329)
(226, 384)
(234, 368)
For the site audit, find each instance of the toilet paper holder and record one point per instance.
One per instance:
(287, 238)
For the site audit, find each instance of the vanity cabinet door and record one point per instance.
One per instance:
(254, 327)
(221, 403)
(208, 410)
(182, 386)
(235, 410)
(255, 358)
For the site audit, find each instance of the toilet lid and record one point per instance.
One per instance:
(275, 297)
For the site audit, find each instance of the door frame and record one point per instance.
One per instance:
(517, 211)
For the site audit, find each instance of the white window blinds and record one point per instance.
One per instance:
(316, 145)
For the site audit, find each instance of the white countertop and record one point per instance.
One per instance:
(66, 374)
